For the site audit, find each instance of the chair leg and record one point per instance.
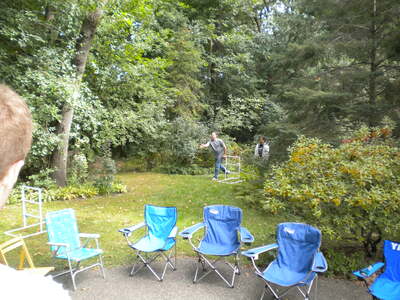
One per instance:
(175, 257)
(146, 261)
(102, 266)
(72, 273)
(263, 293)
(137, 261)
(202, 260)
(237, 260)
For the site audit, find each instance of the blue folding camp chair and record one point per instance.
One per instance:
(298, 261)
(65, 243)
(159, 239)
(222, 227)
(387, 285)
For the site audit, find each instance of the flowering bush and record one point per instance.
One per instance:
(349, 192)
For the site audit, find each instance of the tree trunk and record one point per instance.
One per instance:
(83, 45)
(372, 94)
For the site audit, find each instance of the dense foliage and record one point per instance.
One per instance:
(350, 192)
(278, 68)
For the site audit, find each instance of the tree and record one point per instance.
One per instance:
(83, 45)
(330, 65)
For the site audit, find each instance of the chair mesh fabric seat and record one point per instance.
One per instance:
(81, 254)
(63, 228)
(284, 276)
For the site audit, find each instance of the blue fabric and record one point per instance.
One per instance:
(222, 227)
(387, 285)
(187, 232)
(160, 221)
(218, 165)
(320, 264)
(62, 228)
(385, 289)
(298, 245)
(146, 244)
(368, 271)
(256, 251)
(245, 235)
(286, 276)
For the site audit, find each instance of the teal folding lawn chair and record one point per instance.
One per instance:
(65, 243)
(159, 240)
(222, 226)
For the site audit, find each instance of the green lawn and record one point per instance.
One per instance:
(105, 215)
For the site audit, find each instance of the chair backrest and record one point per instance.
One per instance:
(297, 245)
(12, 245)
(392, 260)
(222, 225)
(62, 228)
(160, 220)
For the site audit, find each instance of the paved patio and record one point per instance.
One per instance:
(178, 285)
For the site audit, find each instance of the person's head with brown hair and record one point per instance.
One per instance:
(15, 138)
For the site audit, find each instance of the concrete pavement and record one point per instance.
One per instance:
(118, 285)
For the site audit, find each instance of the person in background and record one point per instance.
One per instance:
(219, 149)
(15, 142)
(262, 148)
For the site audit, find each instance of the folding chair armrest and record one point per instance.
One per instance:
(128, 230)
(59, 245)
(368, 271)
(253, 253)
(174, 232)
(320, 265)
(188, 232)
(89, 235)
(245, 236)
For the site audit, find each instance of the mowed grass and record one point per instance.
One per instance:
(105, 215)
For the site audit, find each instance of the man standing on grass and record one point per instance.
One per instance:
(219, 149)
(15, 142)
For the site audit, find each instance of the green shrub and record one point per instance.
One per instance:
(70, 193)
(118, 188)
(78, 169)
(133, 164)
(42, 179)
(183, 170)
(349, 192)
(342, 261)
(104, 175)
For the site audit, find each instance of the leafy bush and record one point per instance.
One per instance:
(118, 188)
(54, 193)
(78, 169)
(343, 261)
(41, 180)
(349, 192)
(183, 170)
(70, 193)
(182, 141)
(104, 175)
